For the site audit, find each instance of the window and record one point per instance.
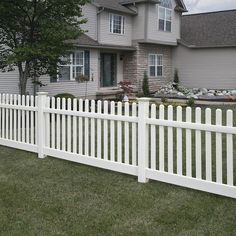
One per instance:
(78, 65)
(117, 24)
(165, 15)
(155, 65)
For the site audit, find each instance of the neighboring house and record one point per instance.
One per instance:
(206, 55)
(126, 38)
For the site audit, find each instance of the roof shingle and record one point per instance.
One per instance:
(215, 29)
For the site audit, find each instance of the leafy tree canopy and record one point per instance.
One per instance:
(35, 34)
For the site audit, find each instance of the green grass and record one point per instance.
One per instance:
(54, 197)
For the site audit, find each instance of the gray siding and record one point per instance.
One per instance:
(105, 37)
(139, 23)
(153, 25)
(9, 83)
(90, 13)
(209, 68)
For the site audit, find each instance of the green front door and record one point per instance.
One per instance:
(108, 69)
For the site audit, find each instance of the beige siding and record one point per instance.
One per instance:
(90, 13)
(105, 37)
(139, 23)
(206, 68)
(153, 25)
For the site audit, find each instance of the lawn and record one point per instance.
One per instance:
(54, 197)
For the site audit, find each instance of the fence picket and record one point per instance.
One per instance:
(208, 143)
(75, 130)
(134, 136)
(19, 121)
(153, 139)
(119, 134)
(189, 143)
(92, 143)
(112, 133)
(14, 118)
(69, 126)
(219, 178)
(58, 125)
(7, 117)
(179, 143)
(126, 126)
(63, 125)
(230, 148)
(11, 118)
(23, 120)
(86, 129)
(161, 140)
(32, 125)
(170, 142)
(53, 143)
(99, 133)
(198, 146)
(105, 131)
(81, 133)
(47, 121)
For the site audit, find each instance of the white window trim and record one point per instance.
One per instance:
(165, 19)
(71, 66)
(156, 65)
(111, 26)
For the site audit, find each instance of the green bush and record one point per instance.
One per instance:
(146, 91)
(190, 102)
(164, 99)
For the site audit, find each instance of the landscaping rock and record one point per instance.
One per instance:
(233, 93)
(204, 91)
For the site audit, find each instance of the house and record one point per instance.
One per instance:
(206, 54)
(126, 38)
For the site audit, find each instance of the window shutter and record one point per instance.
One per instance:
(87, 63)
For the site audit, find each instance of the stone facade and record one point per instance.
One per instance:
(136, 64)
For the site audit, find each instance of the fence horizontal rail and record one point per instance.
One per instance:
(19, 107)
(92, 115)
(192, 126)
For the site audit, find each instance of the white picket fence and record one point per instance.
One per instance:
(171, 145)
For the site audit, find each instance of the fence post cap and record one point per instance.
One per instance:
(42, 93)
(144, 99)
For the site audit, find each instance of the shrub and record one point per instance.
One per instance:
(190, 102)
(164, 99)
(65, 95)
(176, 80)
(146, 91)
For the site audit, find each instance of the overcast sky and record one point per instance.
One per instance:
(197, 6)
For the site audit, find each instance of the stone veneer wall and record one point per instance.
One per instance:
(136, 63)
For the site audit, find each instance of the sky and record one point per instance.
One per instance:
(197, 6)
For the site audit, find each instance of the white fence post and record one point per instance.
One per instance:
(143, 114)
(42, 100)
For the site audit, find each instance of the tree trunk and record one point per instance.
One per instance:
(23, 78)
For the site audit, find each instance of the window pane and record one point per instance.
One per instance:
(117, 24)
(162, 13)
(79, 58)
(166, 3)
(159, 70)
(77, 71)
(161, 25)
(152, 60)
(64, 73)
(168, 26)
(152, 71)
(168, 15)
(159, 60)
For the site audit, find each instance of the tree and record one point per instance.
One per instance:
(36, 34)
(146, 91)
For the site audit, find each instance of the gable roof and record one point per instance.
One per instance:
(121, 5)
(209, 30)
